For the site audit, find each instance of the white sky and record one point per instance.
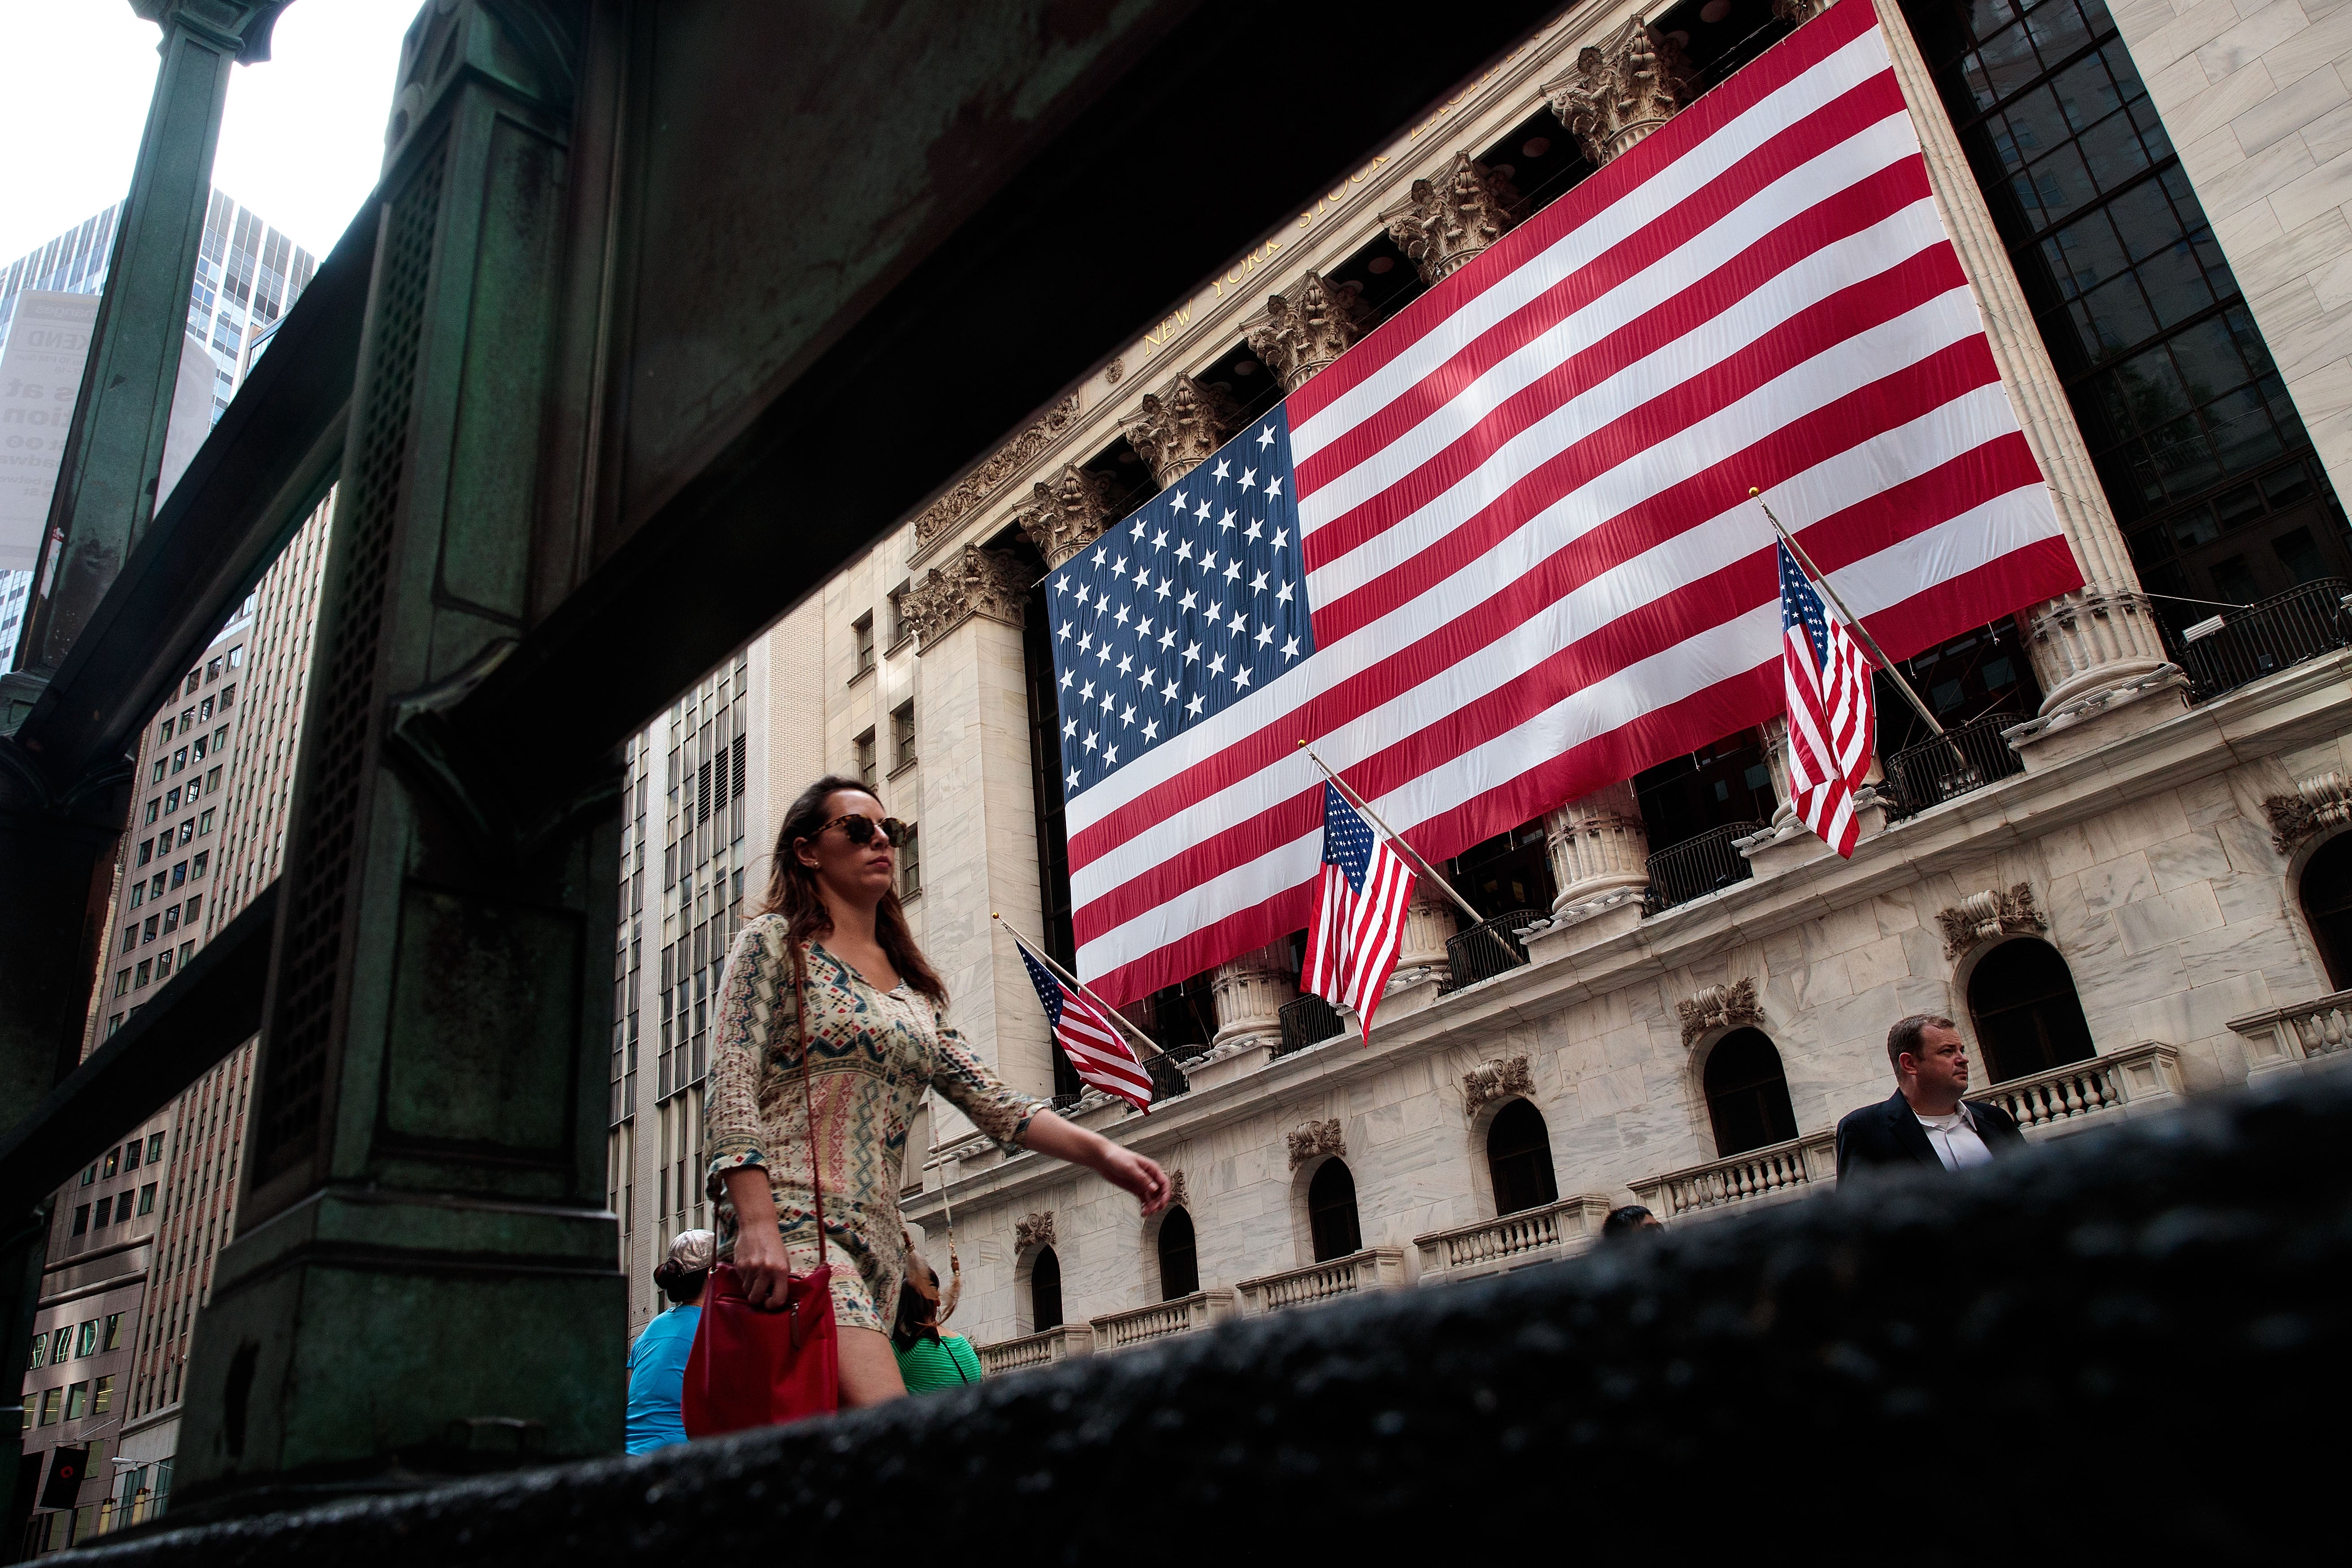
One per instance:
(301, 139)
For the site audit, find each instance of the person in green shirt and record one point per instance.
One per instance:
(929, 1359)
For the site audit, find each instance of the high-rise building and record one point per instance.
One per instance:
(133, 1241)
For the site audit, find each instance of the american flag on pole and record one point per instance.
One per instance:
(1358, 926)
(1092, 1042)
(1502, 553)
(1832, 720)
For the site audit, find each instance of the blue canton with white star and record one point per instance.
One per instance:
(1347, 840)
(1800, 605)
(1183, 609)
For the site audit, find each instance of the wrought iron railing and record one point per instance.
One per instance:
(1307, 1021)
(1167, 1069)
(1489, 947)
(1698, 867)
(2261, 639)
(1963, 759)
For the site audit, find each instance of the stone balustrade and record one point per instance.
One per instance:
(2288, 1037)
(1776, 1171)
(2134, 1076)
(1037, 1350)
(1373, 1268)
(1142, 1325)
(1513, 1241)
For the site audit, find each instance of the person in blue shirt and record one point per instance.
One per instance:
(657, 1361)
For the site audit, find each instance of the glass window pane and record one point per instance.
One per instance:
(2207, 357)
(2058, 29)
(2154, 387)
(2116, 316)
(2033, 125)
(2086, 92)
(2085, 254)
(2112, 151)
(2144, 219)
(2057, 186)
(2175, 284)
(2009, 62)
(2183, 456)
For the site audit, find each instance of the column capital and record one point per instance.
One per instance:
(1443, 222)
(973, 582)
(1622, 89)
(1303, 330)
(240, 26)
(1064, 513)
(1179, 425)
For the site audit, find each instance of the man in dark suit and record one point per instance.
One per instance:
(1927, 1122)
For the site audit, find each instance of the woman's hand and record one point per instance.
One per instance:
(1049, 1135)
(762, 1267)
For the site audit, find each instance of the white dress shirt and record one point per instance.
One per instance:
(1955, 1139)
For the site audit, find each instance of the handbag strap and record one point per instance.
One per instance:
(808, 1105)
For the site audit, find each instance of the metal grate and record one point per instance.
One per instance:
(1698, 867)
(1963, 759)
(339, 760)
(1308, 1020)
(2261, 639)
(1489, 949)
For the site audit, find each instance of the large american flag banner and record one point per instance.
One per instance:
(1502, 552)
(1359, 908)
(1825, 679)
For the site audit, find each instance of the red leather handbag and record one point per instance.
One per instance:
(763, 1366)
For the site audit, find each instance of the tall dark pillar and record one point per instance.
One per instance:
(424, 1276)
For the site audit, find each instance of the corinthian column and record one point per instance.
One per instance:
(1429, 920)
(1306, 329)
(1598, 845)
(2098, 644)
(1250, 991)
(1622, 89)
(1065, 513)
(1444, 222)
(1179, 425)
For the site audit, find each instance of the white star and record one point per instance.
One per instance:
(1168, 692)
(1282, 596)
(1143, 627)
(1120, 569)
(1063, 634)
(1108, 703)
(1179, 503)
(1151, 730)
(1062, 583)
(1249, 481)
(1226, 521)
(1066, 680)
(1148, 679)
(1256, 531)
(1102, 654)
(1110, 756)
(1074, 778)
(1204, 514)
(1241, 677)
(1127, 717)
(1161, 592)
(1274, 486)
(1188, 601)
(1142, 578)
(1159, 539)
(1290, 648)
(1101, 556)
(1217, 665)
(1070, 729)
(1265, 635)
(1086, 692)
(1090, 740)
(1233, 569)
(1168, 637)
(1086, 642)
(1240, 622)
(1209, 562)
(1192, 708)
(1126, 664)
(1121, 616)
(1139, 528)
(1281, 538)
(1184, 551)
(1225, 470)
(1082, 596)
(1191, 653)
(1257, 584)
(1266, 436)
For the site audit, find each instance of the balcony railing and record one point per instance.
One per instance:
(1307, 1021)
(2309, 1031)
(1944, 768)
(1489, 947)
(1142, 1325)
(2136, 1073)
(1698, 867)
(2285, 629)
(1778, 1170)
(1512, 1240)
(1037, 1350)
(1374, 1268)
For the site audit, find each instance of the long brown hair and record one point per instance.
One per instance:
(792, 892)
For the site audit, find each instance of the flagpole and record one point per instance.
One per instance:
(1852, 620)
(1116, 1017)
(1361, 805)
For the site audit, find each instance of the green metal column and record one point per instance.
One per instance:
(423, 1278)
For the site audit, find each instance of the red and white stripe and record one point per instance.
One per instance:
(1533, 564)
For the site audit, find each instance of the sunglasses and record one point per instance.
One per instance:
(860, 829)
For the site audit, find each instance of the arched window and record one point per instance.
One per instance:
(2327, 907)
(1746, 1093)
(1045, 1291)
(1331, 1212)
(1180, 1263)
(1518, 1156)
(2023, 999)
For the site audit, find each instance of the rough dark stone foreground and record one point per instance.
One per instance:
(2132, 1340)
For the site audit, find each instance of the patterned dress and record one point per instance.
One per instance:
(872, 1053)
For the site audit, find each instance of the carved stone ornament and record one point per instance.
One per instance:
(973, 582)
(2324, 801)
(1981, 917)
(1179, 1195)
(1796, 12)
(1306, 329)
(1732, 1006)
(1033, 1230)
(1066, 512)
(1447, 221)
(1313, 1141)
(1492, 1080)
(1117, 368)
(983, 481)
(1622, 89)
(1179, 425)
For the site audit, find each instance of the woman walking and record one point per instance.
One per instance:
(878, 1037)
(929, 1359)
(657, 1361)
